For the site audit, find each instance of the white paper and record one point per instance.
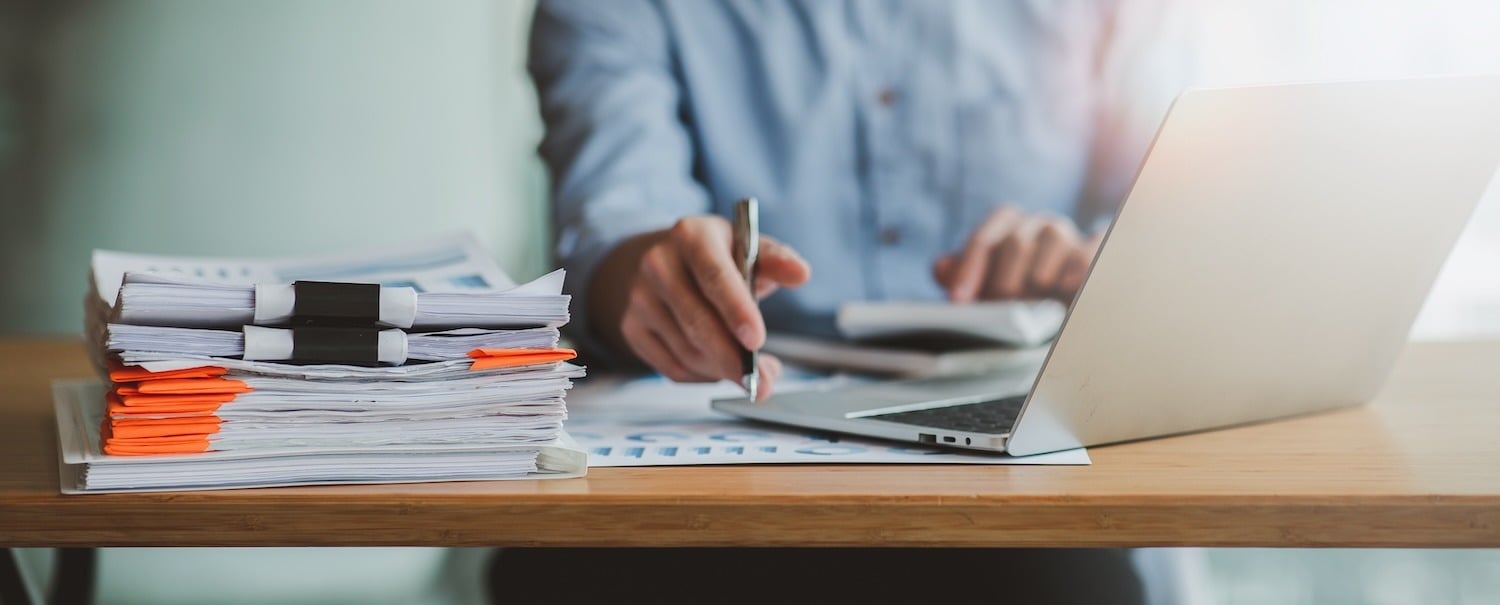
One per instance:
(84, 468)
(257, 343)
(653, 422)
(863, 358)
(453, 263)
(1016, 323)
(524, 407)
(456, 283)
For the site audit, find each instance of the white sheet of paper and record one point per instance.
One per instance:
(457, 284)
(1021, 323)
(84, 468)
(452, 263)
(654, 422)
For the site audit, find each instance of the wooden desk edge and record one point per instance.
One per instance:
(1443, 522)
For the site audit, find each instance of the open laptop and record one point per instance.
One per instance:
(1268, 261)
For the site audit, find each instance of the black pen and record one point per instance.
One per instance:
(746, 250)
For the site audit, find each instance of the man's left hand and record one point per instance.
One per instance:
(1015, 255)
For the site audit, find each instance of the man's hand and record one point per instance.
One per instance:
(676, 299)
(1018, 255)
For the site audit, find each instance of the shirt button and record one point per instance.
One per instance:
(890, 236)
(886, 97)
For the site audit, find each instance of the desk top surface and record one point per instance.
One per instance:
(1418, 467)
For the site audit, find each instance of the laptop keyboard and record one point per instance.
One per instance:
(993, 416)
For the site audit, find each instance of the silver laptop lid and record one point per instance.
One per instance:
(1270, 258)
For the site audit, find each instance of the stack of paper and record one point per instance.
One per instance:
(470, 386)
(453, 282)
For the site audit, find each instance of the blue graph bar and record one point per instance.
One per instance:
(634, 452)
(601, 451)
(653, 436)
(739, 436)
(667, 451)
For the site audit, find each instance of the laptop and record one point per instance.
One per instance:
(1267, 262)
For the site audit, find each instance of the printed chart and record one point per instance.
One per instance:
(652, 422)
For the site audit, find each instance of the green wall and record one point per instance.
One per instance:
(259, 128)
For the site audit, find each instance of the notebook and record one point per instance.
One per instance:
(921, 338)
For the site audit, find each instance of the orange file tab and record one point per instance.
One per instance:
(488, 359)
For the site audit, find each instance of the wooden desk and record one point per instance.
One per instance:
(1418, 468)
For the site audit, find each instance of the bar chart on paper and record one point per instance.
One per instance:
(651, 422)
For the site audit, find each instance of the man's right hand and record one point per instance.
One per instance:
(676, 299)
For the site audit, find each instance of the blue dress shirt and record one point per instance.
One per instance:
(875, 133)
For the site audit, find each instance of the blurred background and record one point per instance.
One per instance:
(286, 127)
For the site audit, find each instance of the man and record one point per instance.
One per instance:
(899, 150)
(983, 144)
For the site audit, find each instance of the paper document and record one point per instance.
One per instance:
(455, 285)
(221, 408)
(427, 364)
(84, 468)
(141, 341)
(1016, 323)
(654, 422)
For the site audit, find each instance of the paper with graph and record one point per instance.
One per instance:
(653, 422)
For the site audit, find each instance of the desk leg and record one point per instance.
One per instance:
(12, 586)
(72, 578)
(73, 581)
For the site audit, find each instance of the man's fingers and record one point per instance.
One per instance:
(770, 370)
(974, 261)
(716, 352)
(942, 271)
(781, 264)
(1055, 243)
(765, 287)
(706, 248)
(1012, 258)
(1074, 272)
(648, 346)
(1078, 269)
(644, 329)
(689, 313)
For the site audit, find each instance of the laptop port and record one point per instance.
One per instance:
(926, 438)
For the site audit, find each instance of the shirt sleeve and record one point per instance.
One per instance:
(619, 156)
(1145, 59)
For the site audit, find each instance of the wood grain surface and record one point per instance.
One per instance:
(1420, 467)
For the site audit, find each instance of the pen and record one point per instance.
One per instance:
(746, 249)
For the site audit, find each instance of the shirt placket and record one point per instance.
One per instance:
(892, 178)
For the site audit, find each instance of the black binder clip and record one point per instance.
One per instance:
(341, 345)
(336, 304)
